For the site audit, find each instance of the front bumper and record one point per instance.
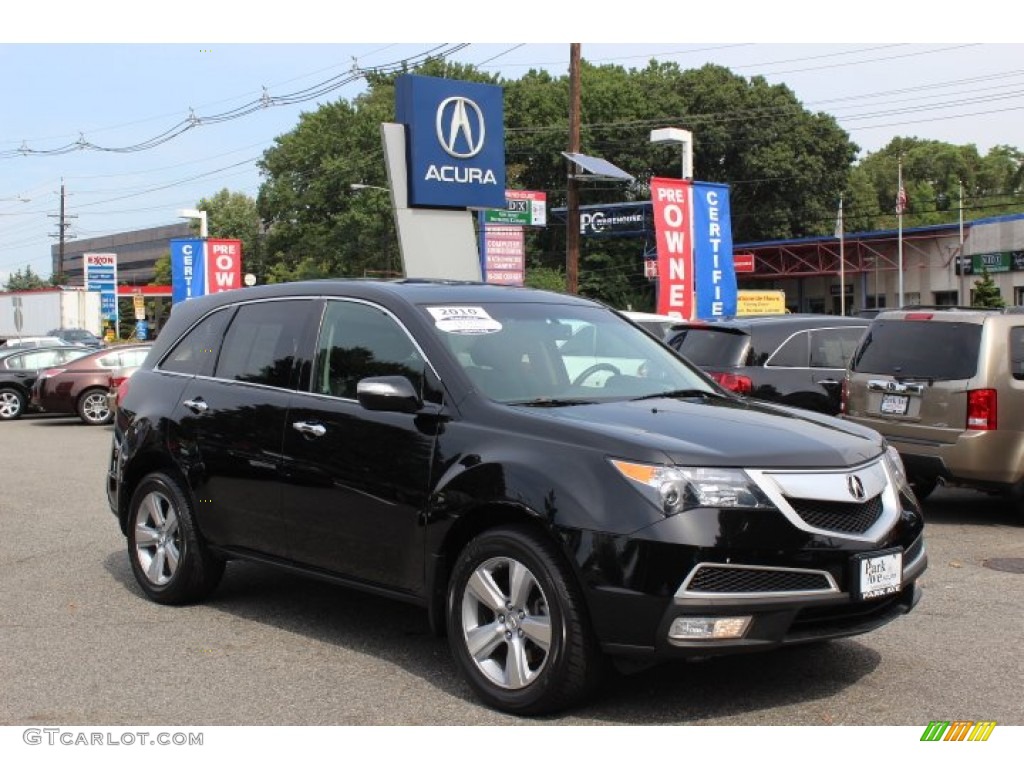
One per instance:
(794, 571)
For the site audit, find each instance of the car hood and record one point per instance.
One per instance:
(727, 432)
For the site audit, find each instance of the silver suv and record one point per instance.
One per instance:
(945, 386)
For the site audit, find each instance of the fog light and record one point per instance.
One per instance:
(709, 628)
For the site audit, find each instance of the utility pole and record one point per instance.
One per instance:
(965, 299)
(572, 232)
(62, 226)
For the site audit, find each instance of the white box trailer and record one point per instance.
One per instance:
(35, 313)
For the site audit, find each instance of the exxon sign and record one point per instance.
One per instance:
(455, 142)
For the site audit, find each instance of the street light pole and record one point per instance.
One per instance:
(681, 137)
(192, 213)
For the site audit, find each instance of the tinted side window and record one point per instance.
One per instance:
(261, 344)
(919, 349)
(1017, 352)
(833, 347)
(196, 353)
(359, 340)
(792, 353)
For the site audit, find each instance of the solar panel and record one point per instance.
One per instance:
(596, 168)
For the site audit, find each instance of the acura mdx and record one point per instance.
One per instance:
(449, 445)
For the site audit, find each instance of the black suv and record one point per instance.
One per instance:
(796, 359)
(444, 444)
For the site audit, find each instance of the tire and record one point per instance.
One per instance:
(525, 649)
(93, 408)
(923, 488)
(12, 404)
(169, 560)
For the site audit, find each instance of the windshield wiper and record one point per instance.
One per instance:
(553, 402)
(684, 393)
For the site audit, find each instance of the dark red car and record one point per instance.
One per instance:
(81, 385)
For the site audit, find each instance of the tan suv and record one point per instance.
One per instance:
(946, 388)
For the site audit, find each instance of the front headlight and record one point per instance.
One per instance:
(677, 489)
(899, 473)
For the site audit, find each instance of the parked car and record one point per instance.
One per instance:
(794, 359)
(79, 336)
(19, 367)
(81, 385)
(657, 325)
(946, 388)
(119, 385)
(31, 341)
(425, 441)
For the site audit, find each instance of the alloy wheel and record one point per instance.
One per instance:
(506, 625)
(157, 539)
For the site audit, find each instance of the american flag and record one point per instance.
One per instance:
(901, 201)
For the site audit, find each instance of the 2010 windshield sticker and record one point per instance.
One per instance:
(464, 320)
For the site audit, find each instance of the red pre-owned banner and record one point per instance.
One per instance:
(672, 202)
(223, 265)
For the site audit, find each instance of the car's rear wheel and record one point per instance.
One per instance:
(93, 407)
(517, 624)
(12, 403)
(923, 488)
(169, 560)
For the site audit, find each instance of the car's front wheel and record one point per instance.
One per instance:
(169, 560)
(517, 625)
(93, 407)
(12, 403)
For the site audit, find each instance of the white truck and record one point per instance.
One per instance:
(36, 313)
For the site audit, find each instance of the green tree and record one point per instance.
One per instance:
(932, 174)
(986, 292)
(234, 216)
(545, 278)
(162, 269)
(26, 280)
(790, 165)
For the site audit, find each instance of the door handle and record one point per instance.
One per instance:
(310, 429)
(198, 405)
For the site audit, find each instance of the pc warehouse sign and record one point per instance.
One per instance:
(199, 267)
(455, 141)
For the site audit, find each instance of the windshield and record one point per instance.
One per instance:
(712, 347)
(919, 349)
(559, 354)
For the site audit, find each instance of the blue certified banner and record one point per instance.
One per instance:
(714, 276)
(188, 278)
(455, 141)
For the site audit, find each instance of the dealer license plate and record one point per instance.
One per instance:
(895, 404)
(880, 574)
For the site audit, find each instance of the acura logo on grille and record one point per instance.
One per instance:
(855, 487)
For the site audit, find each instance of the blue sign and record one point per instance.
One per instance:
(187, 268)
(455, 141)
(714, 276)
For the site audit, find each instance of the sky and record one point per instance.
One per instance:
(107, 76)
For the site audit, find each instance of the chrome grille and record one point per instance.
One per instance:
(840, 516)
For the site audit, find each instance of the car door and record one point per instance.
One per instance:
(232, 422)
(358, 480)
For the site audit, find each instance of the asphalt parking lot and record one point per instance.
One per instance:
(81, 645)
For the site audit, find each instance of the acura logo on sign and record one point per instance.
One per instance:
(460, 127)
(856, 487)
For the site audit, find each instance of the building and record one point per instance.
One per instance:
(137, 252)
(808, 269)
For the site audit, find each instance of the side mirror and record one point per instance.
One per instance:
(388, 393)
